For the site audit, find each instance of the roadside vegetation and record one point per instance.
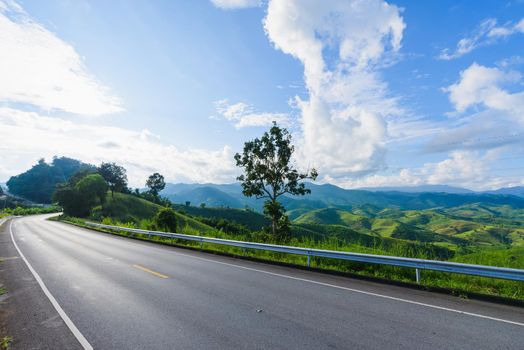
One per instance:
(20, 211)
(487, 230)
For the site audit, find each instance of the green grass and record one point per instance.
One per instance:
(129, 209)
(5, 342)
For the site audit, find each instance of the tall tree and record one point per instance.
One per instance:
(269, 174)
(115, 176)
(156, 184)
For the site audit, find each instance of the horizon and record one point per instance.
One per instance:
(422, 93)
(404, 188)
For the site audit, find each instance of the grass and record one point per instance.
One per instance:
(5, 342)
(137, 212)
(458, 284)
(29, 211)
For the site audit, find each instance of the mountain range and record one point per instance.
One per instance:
(327, 195)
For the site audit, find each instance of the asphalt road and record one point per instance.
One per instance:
(126, 294)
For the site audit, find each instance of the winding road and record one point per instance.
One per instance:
(70, 288)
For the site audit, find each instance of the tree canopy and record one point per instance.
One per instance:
(39, 183)
(155, 183)
(81, 193)
(115, 176)
(269, 174)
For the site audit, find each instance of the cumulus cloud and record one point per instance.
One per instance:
(342, 45)
(487, 114)
(482, 85)
(40, 69)
(236, 4)
(244, 115)
(28, 136)
(487, 33)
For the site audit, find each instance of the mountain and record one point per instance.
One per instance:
(421, 188)
(210, 196)
(515, 191)
(327, 195)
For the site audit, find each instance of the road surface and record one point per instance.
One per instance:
(118, 293)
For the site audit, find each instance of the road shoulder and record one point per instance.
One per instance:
(26, 314)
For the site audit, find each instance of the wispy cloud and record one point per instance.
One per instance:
(40, 69)
(243, 115)
(487, 33)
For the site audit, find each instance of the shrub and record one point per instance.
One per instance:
(165, 220)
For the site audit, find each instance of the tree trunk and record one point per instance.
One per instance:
(274, 218)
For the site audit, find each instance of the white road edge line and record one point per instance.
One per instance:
(361, 291)
(78, 335)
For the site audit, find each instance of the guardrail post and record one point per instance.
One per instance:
(201, 243)
(308, 259)
(417, 274)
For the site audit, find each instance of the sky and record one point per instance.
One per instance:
(375, 93)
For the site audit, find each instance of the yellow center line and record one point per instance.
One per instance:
(157, 274)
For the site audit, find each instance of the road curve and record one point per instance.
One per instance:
(126, 294)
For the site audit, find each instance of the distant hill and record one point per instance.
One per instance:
(421, 188)
(515, 191)
(210, 196)
(327, 195)
(469, 225)
(38, 183)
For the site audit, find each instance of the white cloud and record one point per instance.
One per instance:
(487, 33)
(236, 4)
(243, 115)
(40, 69)
(487, 114)
(468, 169)
(342, 45)
(483, 86)
(28, 136)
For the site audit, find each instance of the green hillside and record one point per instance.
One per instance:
(472, 225)
(126, 208)
(248, 218)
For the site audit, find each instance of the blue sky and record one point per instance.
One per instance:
(376, 93)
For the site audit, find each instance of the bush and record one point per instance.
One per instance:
(165, 220)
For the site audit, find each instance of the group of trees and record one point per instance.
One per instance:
(81, 193)
(38, 183)
(88, 188)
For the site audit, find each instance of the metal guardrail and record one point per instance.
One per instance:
(417, 264)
